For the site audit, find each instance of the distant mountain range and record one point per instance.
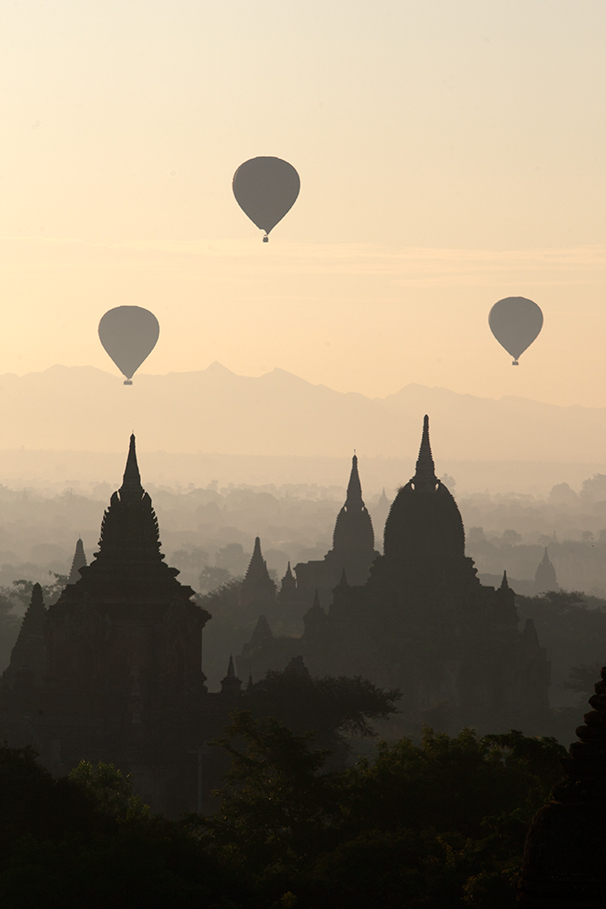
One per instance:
(216, 411)
(69, 427)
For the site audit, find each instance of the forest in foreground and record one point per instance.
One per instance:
(437, 824)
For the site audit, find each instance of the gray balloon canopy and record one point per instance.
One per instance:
(266, 189)
(515, 322)
(129, 334)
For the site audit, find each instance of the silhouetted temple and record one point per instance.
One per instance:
(545, 575)
(79, 561)
(112, 671)
(258, 591)
(421, 622)
(353, 550)
(380, 513)
(564, 864)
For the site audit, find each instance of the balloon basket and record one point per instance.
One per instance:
(266, 239)
(128, 381)
(515, 363)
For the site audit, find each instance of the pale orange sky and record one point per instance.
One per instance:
(450, 151)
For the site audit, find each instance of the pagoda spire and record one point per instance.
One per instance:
(129, 566)
(315, 621)
(354, 487)
(35, 614)
(231, 684)
(343, 580)
(504, 582)
(29, 652)
(258, 591)
(257, 567)
(78, 562)
(425, 476)
(353, 527)
(131, 489)
(545, 575)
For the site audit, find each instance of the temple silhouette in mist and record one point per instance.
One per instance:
(112, 671)
(415, 618)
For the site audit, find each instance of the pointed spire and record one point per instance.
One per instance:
(353, 527)
(129, 566)
(354, 487)
(29, 652)
(78, 562)
(288, 587)
(314, 620)
(257, 590)
(343, 581)
(231, 684)
(131, 489)
(257, 567)
(262, 631)
(35, 613)
(425, 476)
(545, 576)
(504, 582)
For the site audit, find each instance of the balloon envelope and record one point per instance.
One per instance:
(266, 189)
(515, 322)
(129, 334)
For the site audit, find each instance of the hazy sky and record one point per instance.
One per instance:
(451, 153)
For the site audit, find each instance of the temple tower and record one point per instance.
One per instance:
(78, 562)
(288, 588)
(231, 685)
(353, 528)
(28, 664)
(545, 575)
(424, 537)
(126, 618)
(353, 548)
(258, 591)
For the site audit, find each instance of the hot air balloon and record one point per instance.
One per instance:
(515, 322)
(266, 189)
(129, 334)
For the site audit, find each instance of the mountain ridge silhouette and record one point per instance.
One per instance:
(279, 413)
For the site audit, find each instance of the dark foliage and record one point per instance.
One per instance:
(331, 707)
(440, 824)
(86, 842)
(435, 825)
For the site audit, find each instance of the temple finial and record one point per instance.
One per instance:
(231, 684)
(425, 475)
(131, 483)
(354, 487)
(78, 562)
